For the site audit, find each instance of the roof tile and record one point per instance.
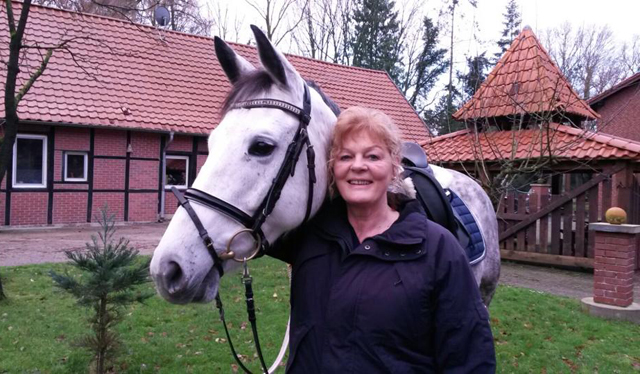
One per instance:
(565, 142)
(170, 81)
(524, 79)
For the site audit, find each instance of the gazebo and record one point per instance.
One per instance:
(528, 141)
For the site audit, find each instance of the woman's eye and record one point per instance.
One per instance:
(374, 157)
(261, 149)
(344, 158)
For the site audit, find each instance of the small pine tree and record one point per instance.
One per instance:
(112, 273)
(512, 22)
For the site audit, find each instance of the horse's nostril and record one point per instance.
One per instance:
(173, 276)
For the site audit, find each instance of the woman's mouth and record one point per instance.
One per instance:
(358, 182)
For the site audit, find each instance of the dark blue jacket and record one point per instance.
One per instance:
(404, 301)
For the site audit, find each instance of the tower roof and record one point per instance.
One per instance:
(524, 81)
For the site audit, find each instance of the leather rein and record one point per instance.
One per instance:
(253, 224)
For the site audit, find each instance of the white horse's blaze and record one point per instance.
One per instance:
(181, 266)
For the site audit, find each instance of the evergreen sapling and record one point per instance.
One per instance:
(111, 272)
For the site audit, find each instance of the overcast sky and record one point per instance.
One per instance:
(620, 15)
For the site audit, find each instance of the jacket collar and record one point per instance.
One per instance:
(409, 229)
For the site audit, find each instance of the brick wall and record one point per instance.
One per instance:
(143, 174)
(145, 144)
(70, 200)
(170, 203)
(181, 143)
(621, 114)
(614, 263)
(108, 174)
(143, 207)
(113, 200)
(70, 207)
(68, 139)
(3, 197)
(110, 143)
(29, 208)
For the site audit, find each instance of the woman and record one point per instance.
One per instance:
(376, 287)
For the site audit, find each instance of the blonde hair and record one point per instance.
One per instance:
(356, 120)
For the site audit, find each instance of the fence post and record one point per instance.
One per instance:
(614, 263)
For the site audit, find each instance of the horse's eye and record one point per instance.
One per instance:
(261, 149)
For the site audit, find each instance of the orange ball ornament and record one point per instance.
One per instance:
(616, 216)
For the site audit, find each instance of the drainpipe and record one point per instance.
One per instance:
(164, 176)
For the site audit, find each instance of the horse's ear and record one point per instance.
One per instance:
(273, 61)
(234, 65)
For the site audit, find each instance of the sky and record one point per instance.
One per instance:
(478, 29)
(620, 15)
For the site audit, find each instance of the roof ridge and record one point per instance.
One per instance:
(617, 87)
(316, 60)
(445, 136)
(123, 21)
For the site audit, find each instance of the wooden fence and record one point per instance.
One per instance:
(539, 226)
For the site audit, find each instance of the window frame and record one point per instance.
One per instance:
(65, 168)
(186, 176)
(14, 183)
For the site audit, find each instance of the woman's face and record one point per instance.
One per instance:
(363, 170)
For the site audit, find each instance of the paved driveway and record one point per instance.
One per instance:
(38, 245)
(31, 246)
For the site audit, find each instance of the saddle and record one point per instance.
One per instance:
(441, 205)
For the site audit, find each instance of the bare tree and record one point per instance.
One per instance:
(587, 56)
(631, 56)
(325, 29)
(225, 27)
(277, 17)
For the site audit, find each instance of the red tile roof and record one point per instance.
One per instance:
(525, 80)
(565, 142)
(627, 82)
(136, 77)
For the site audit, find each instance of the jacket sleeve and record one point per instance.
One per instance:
(285, 248)
(463, 338)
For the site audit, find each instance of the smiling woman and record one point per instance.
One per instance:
(376, 287)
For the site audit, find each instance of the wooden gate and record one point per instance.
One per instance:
(539, 226)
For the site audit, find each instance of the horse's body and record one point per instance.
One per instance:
(245, 153)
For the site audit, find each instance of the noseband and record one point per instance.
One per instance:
(253, 224)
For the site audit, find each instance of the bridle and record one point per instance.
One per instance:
(253, 224)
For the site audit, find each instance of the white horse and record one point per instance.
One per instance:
(245, 153)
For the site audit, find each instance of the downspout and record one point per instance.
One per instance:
(164, 177)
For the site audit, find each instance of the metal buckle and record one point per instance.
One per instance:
(230, 255)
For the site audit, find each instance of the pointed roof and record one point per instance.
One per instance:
(564, 142)
(525, 80)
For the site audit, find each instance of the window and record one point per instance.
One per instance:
(177, 171)
(75, 166)
(30, 161)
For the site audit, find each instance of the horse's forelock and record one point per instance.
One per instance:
(247, 87)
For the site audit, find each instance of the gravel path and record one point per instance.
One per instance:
(39, 245)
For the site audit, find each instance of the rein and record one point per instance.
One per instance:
(253, 224)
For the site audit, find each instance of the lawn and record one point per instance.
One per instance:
(534, 332)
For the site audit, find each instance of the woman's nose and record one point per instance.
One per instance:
(358, 163)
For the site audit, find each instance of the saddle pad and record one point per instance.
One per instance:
(475, 249)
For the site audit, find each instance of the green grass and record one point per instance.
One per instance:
(534, 332)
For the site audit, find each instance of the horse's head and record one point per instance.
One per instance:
(246, 151)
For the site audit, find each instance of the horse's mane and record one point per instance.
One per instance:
(258, 82)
